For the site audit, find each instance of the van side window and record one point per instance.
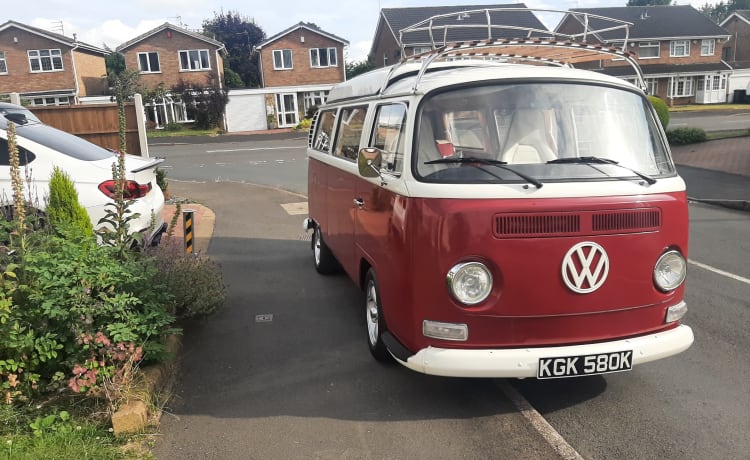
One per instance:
(323, 139)
(350, 132)
(388, 135)
(24, 156)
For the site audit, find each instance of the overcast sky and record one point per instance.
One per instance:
(114, 22)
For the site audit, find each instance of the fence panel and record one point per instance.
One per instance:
(97, 123)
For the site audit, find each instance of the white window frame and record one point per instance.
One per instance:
(652, 86)
(331, 57)
(649, 45)
(675, 47)
(52, 54)
(201, 67)
(708, 47)
(148, 61)
(45, 101)
(314, 99)
(688, 87)
(420, 49)
(281, 54)
(3, 64)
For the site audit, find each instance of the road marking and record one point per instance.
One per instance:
(252, 150)
(739, 278)
(295, 209)
(542, 426)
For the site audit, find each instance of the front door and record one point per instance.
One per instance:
(286, 110)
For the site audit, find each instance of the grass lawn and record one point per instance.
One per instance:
(154, 133)
(704, 107)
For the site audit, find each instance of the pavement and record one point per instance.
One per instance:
(716, 172)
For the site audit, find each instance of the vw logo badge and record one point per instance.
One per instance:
(585, 267)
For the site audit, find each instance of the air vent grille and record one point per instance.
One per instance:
(582, 223)
(515, 225)
(641, 220)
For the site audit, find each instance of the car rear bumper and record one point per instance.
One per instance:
(524, 362)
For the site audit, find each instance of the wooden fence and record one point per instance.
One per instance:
(97, 123)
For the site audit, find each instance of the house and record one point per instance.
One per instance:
(470, 24)
(678, 49)
(46, 68)
(736, 53)
(170, 56)
(298, 67)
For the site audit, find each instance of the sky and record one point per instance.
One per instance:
(115, 22)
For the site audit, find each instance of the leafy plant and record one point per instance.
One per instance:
(681, 136)
(194, 281)
(161, 180)
(63, 207)
(661, 110)
(115, 225)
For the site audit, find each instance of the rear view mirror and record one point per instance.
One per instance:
(369, 160)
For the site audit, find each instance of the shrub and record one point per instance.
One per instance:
(681, 136)
(661, 110)
(304, 124)
(193, 281)
(63, 208)
(161, 181)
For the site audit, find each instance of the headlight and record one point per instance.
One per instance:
(470, 282)
(670, 271)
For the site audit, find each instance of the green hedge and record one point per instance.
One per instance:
(680, 136)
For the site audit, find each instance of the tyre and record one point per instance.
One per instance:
(374, 319)
(325, 262)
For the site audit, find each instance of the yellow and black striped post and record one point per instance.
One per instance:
(187, 225)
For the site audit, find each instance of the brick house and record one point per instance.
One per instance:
(678, 49)
(298, 67)
(470, 24)
(170, 55)
(736, 53)
(47, 68)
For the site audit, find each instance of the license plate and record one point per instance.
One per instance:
(576, 366)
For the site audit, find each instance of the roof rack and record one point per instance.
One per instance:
(531, 44)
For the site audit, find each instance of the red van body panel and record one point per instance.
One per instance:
(522, 310)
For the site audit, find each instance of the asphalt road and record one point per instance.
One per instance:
(304, 386)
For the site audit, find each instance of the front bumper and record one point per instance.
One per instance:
(524, 362)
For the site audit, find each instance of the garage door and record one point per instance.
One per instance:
(246, 112)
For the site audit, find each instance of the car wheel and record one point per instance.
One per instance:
(325, 262)
(374, 319)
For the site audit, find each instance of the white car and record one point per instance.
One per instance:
(42, 147)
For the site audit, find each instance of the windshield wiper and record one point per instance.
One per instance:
(485, 161)
(601, 161)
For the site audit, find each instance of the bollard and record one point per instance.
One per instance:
(187, 225)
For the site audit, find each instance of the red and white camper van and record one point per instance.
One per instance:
(504, 219)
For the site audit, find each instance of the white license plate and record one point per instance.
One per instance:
(576, 366)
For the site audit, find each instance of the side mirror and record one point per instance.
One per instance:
(17, 118)
(369, 160)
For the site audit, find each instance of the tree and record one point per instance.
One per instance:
(240, 35)
(114, 61)
(355, 68)
(720, 11)
(204, 104)
(648, 2)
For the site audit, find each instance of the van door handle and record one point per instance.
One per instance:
(359, 202)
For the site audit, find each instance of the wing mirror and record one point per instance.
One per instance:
(369, 160)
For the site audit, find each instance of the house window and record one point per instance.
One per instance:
(679, 48)
(3, 63)
(726, 53)
(45, 60)
(421, 49)
(149, 62)
(282, 59)
(681, 87)
(648, 50)
(192, 60)
(323, 57)
(652, 86)
(707, 47)
(314, 99)
(43, 101)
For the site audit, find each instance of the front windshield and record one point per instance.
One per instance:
(543, 130)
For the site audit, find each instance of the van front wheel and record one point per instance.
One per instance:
(374, 317)
(325, 262)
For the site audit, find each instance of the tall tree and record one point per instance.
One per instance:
(240, 35)
(114, 61)
(648, 2)
(721, 10)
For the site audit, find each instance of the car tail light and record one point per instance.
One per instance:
(131, 190)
